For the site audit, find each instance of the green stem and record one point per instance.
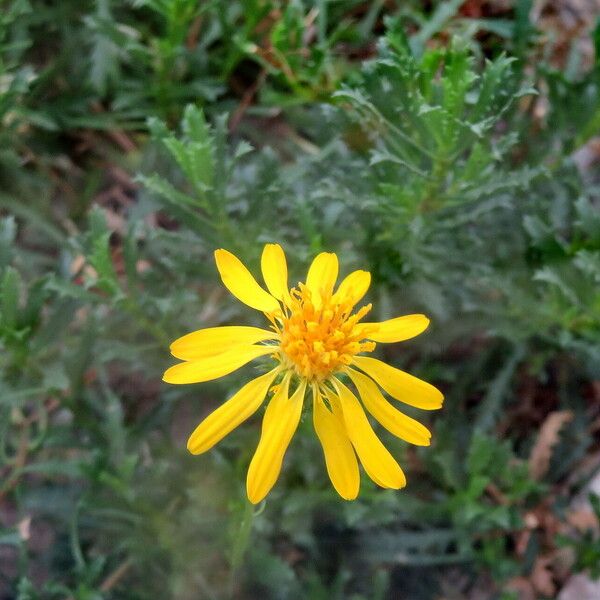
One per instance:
(240, 544)
(435, 188)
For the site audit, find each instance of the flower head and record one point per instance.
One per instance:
(317, 339)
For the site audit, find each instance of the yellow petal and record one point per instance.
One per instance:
(239, 281)
(401, 385)
(279, 425)
(335, 404)
(229, 415)
(353, 287)
(217, 340)
(393, 420)
(379, 464)
(214, 367)
(340, 459)
(398, 329)
(322, 276)
(275, 272)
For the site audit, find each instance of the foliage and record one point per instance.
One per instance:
(135, 138)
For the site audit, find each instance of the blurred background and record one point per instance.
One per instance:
(451, 148)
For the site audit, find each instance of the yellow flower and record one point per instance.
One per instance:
(315, 337)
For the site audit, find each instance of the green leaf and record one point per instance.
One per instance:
(445, 10)
(10, 288)
(100, 256)
(167, 191)
(8, 230)
(194, 125)
(497, 392)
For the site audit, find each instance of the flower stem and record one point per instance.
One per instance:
(240, 544)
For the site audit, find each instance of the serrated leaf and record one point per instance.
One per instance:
(67, 289)
(194, 125)
(497, 392)
(167, 191)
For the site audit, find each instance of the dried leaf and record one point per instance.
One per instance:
(522, 586)
(583, 519)
(24, 528)
(539, 459)
(542, 577)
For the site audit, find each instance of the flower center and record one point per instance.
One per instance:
(319, 335)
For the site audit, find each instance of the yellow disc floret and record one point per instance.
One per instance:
(320, 335)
